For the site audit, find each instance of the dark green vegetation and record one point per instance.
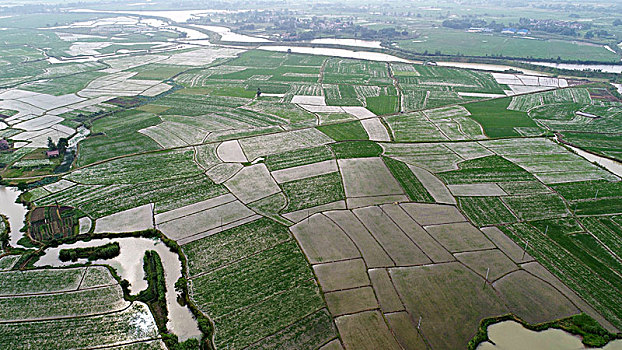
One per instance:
(415, 191)
(592, 197)
(155, 294)
(485, 211)
(382, 105)
(486, 169)
(497, 120)
(356, 149)
(313, 191)
(106, 251)
(258, 289)
(299, 157)
(345, 131)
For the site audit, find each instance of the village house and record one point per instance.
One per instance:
(52, 154)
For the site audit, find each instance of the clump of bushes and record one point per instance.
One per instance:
(106, 251)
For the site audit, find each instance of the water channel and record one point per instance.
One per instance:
(129, 263)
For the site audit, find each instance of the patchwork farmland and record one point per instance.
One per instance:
(307, 201)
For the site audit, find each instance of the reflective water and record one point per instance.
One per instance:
(510, 335)
(129, 265)
(14, 211)
(609, 164)
(486, 66)
(347, 42)
(364, 55)
(227, 35)
(608, 68)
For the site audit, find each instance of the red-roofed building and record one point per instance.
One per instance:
(52, 154)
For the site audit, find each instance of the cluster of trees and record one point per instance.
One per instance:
(547, 26)
(106, 251)
(599, 33)
(61, 146)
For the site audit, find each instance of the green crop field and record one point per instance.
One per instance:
(313, 191)
(412, 186)
(330, 200)
(486, 211)
(299, 157)
(345, 131)
(497, 120)
(486, 169)
(356, 149)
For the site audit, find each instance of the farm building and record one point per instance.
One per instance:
(52, 154)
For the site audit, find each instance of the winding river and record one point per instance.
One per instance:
(129, 265)
(15, 212)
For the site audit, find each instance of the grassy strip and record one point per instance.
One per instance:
(356, 149)
(106, 251)
(412, 186)
(486, 169)
(298, 157)
(592, 334)
(155, 293)
(4, 232)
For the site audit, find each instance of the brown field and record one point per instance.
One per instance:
(532, 299)
(342, 275)
(436, 293)
(460, 237)
(493, 259)
(366, 331)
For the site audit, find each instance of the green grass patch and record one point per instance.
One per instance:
(381, 105)
(298, 157)
(486, 169)
(313, 191)
(345, 131)
(233, 244)
(356, 149)
(589, 190)
(485, 211)
(497, 120)
(415, 191)
(537, 207)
